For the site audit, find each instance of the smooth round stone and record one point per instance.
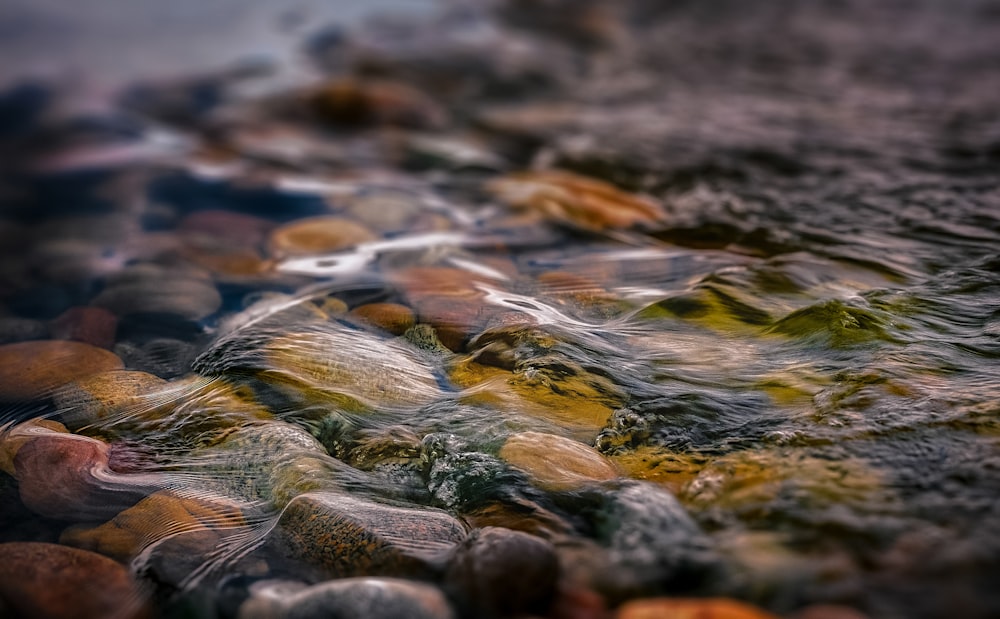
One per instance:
(13, 329)
(228, 228)
(317, 235)
(349, 598)
(98, 398)
(193, 298)
(348, 536)
(49, 581)
(391, 317)
(556, 463)
(30, 370)
(499, 572)
(92, 325)
(358, 102)
(690, 608)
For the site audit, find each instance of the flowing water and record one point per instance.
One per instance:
(746, 343)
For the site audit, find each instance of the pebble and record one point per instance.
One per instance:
(360, 102)
(391, 317)
(317, 235)
(349, 598)
(690, 608)
(31, 370)
(228, 228)
(164, 357)
(14, 329)
(499, 572)
(349, 536)
(102, 397)
(49, 581)
(556, 463)
(90, 325)
(155, 289)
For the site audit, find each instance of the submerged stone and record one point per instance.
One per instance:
(48, 581)
(317, 235)
(556, 463)
(348, 598)
(391, 317)
(30, 370)
(149, 288)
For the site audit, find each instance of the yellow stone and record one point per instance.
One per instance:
(556, 463)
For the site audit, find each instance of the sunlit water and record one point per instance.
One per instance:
(804, 352)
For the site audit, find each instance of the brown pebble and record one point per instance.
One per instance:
(357, 102)
(556, 463)
(49, 581)
(317, 235)
(392, 317)
(690, 608)
(30, 370)
(90, 325)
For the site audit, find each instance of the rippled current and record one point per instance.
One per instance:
(705, 296)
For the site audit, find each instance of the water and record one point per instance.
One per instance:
(764, 365)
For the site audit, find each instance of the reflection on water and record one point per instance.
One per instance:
(531, 311)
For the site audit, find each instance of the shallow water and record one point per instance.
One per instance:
(799, 343)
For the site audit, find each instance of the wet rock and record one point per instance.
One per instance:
(576, 200)
(30, 370)
(66, 476)
(48, 581)
(556, 463)
(164, 357)
(462, 481)
(97, 399)
(151, 288)
(317, 235)
(681, 608)
(498, 572)
(391, 317)
(360, 102)
(91, 325)
(346, 536)
(374, 598)
(519, 514)
(13, 329)
(228, 228)
(191, 523)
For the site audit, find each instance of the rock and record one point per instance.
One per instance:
(164, 357)
(317, 235)
(156, 517)
(13, 329)
(576, 200)
(103, 397)
(31, 370)
(344, 536)
(360, 102)
(48, 581)
(681, 608)
(498, 572)
(350, 598)
(66, 476)
(228, 228)
(151, 288)
(391, 317)
(519, 514)
(90, 325)
(556, 463)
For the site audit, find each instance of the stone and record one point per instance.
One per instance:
(556, 463)
(90, 325)
(361, 102)
(14, 329)
(31, 370)
(98, 399)
(576, 200)
(163, 356)
(690, 608)
(499, 572)
(49, 581)
(391, 317)
(228, 228)
(349, 598)
(68, 477)
(154, 518)
(343, 536)
(317, 235)
(160, 290)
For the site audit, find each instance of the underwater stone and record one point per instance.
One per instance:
(191, 298)
(344, 536)
(317, 235)
(391, 317)
(30, 370)
(13, 329)
(556, 463)
(349, 598)
(499, 572)
(90, 325)
(681, 608)
(49, 581)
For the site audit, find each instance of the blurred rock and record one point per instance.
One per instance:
(91, 325)
(149, 288)
(355, 102)
(13, 329)
(317, 235)
(679, 608)
(391, 317)
(30, 370)
(48, 581)
(349, 598)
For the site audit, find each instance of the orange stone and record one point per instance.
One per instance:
(392, 317)
(317, 235)
(690, 608)
(556, 463)
(30, 370)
